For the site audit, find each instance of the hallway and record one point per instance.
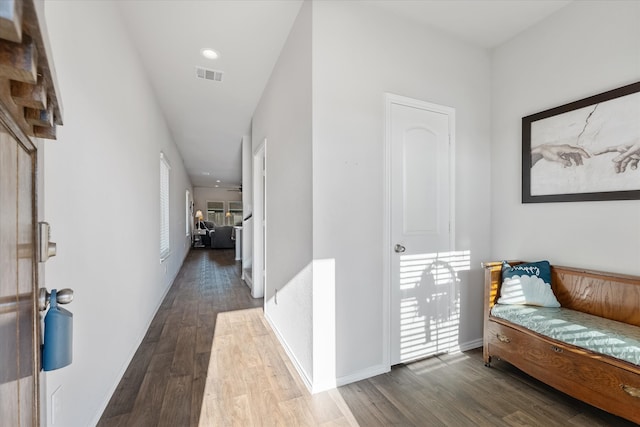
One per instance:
(166, 378)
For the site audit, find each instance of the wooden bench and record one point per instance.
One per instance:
(606, 382)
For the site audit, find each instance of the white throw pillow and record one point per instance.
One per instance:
(529, 290)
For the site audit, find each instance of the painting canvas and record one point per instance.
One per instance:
(585, 150)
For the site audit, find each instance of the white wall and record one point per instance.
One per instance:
(584, 49)
(283, 117)
(102, 200)
(359, 53)
(330, 311)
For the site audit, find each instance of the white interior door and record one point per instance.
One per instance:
(423, 294)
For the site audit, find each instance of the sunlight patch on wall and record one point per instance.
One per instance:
(324, 325)
(430, 303)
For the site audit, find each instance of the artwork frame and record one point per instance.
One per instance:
(588, 150)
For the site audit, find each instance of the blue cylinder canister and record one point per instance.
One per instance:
(58, 336)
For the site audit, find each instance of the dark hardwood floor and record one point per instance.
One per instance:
(458, 390)
(245, 379)
(165, 381)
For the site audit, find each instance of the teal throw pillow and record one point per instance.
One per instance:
(527, 284)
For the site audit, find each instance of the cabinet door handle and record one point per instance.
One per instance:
(503, 338)
(631, 391)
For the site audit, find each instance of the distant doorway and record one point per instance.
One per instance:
(259, 221)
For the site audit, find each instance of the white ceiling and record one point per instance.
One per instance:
(208, 119)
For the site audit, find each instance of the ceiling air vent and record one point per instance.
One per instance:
(208, 74)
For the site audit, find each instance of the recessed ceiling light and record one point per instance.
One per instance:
(217, 180)
(217, 186)
(209, 53)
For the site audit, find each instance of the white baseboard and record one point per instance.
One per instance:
(470, 345)
(382, 369)
(323, 386)
(354, 377)
(247, 280)
(294, 361)
(362, 375)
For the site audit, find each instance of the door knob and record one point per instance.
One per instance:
(399, 248)
(64, 296)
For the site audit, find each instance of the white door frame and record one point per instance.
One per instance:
(389, 100)
(258, 265)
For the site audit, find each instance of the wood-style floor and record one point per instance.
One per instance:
(164, 383)
(210, 359)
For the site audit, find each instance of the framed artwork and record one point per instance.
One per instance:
(585, 150)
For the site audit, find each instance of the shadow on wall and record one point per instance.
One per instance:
(430, 303)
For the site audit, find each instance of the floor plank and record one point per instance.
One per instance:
(176, 406)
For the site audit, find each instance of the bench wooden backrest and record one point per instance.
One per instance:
(609, 295)
(613, 296)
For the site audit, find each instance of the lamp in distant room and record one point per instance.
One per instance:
(199, 217)
(228, 215)
(199, 231)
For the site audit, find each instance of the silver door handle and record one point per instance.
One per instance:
(399, 248)
(63, 296)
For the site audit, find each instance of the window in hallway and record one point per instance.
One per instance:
(187, 212)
